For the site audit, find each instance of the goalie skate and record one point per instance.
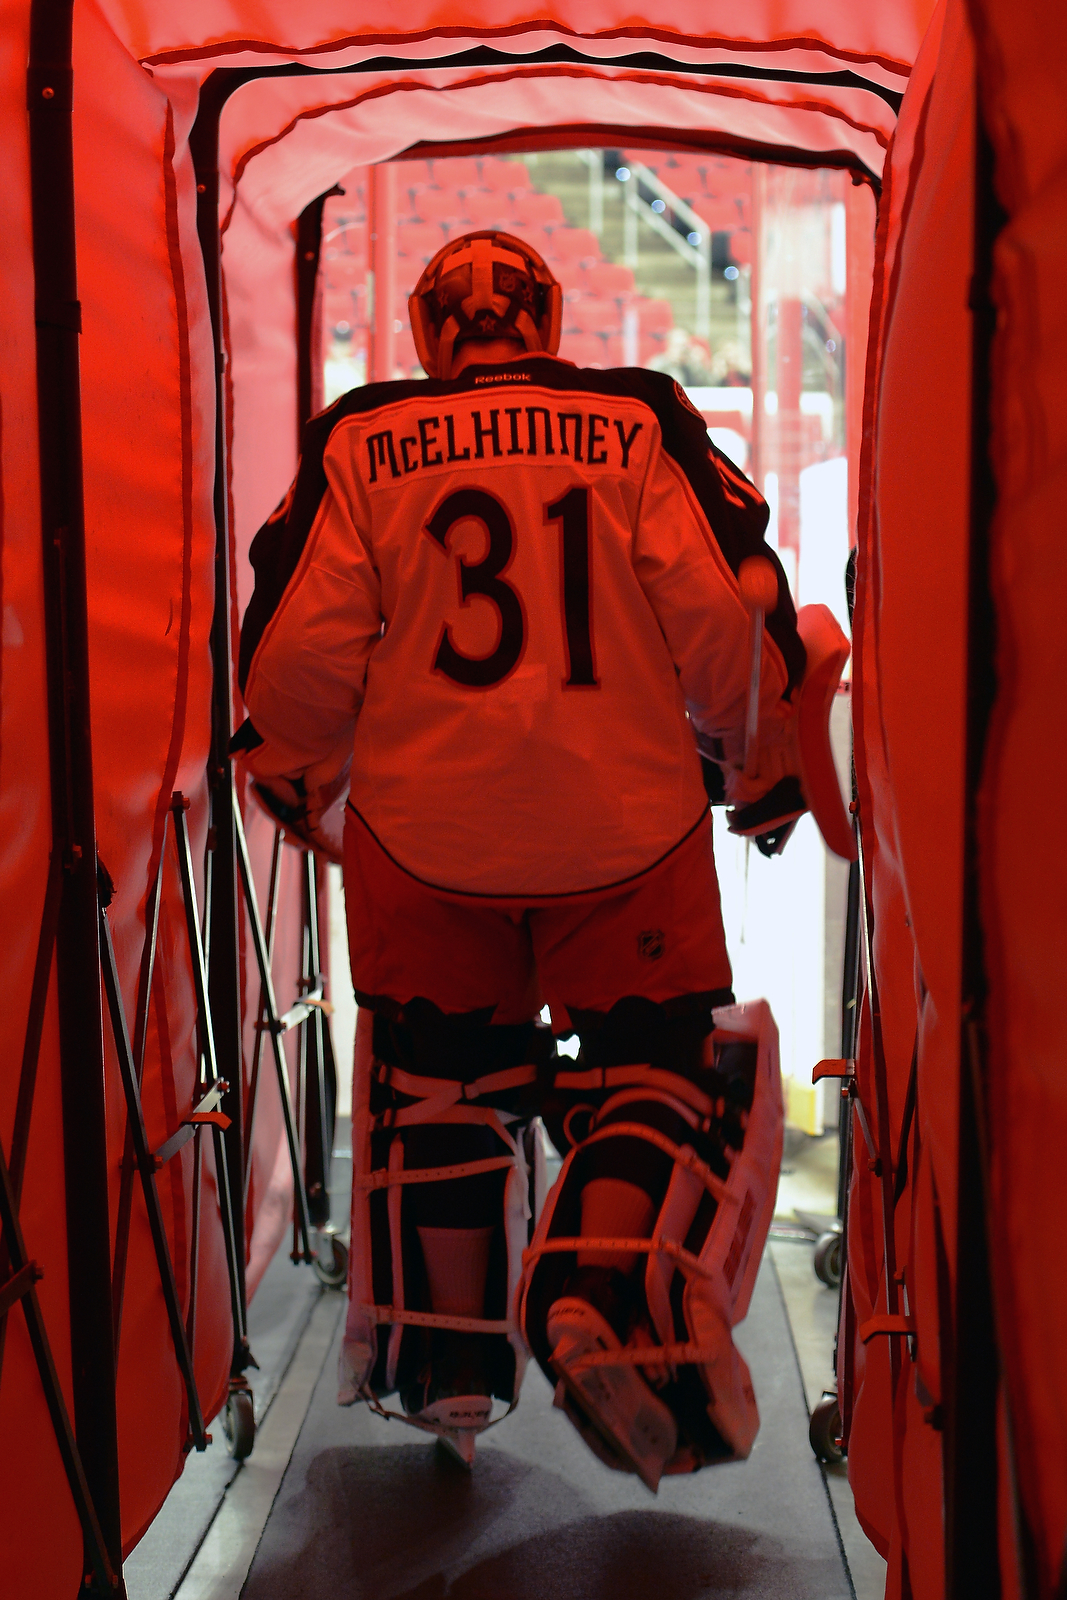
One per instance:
(457, 1421)
(615, 1401)
(453, 1399)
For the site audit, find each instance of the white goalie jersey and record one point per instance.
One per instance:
(506, 595)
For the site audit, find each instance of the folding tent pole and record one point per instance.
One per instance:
(850, 1016)
(140, 1030)
(275, 1025)
(319, 1093)
(42, 973)
(222, 892)
(147, 1165)
(257, 1050)
(315, 1047)
(101, 1571)
(213, 1086)
(81, 1038)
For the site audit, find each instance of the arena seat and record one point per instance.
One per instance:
(511, 177)
(569, 274)
(438, 205)
(588, 315)
(604, 277)
(422, 239)
(483, 208)
(537, 210)
(457, 172)
(343, 271)
(720, 213)
(654, 316)
(575, 244)
(584, 349)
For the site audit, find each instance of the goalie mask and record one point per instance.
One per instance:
(484, 286)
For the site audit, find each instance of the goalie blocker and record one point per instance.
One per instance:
(642, 1358)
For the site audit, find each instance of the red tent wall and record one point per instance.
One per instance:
(147, 388)
(1023, 863)
(910, 721)
(147, 375)
(922, 546)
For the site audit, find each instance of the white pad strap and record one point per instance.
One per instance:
(642, 1075)
(384, 1177)
(687, 1263)
(437, 1088)
(681, 1154)
(657, 1355)
(390, 1316)
(426, 1111)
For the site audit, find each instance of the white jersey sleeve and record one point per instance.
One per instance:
(306, 683)
(696, 599)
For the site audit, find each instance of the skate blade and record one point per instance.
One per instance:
(459, 1445)
(648, 1470)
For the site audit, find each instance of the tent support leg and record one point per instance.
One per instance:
(147, 1168)
(21, 1287)
(222, 936)
(319, 1091)
(242, 1355)
(140, 1033)
(274, 1027)
(31, 1050)
(257, 1050)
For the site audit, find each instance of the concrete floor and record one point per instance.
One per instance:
(340, 1503)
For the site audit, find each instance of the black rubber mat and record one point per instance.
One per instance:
(370, 1510)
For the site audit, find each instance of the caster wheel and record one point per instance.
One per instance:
(331, 1263)
(827, 1261)
(239, 1423)
(824, 1429)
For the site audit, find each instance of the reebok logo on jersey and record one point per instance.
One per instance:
(531, 431)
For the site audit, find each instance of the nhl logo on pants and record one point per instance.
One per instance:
(650, 944)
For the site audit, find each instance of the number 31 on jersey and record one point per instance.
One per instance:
(485, 577)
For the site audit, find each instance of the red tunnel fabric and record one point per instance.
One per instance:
(148, 419)
(1023, 868)
(910, 721)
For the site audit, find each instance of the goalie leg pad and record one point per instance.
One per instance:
(446, 1157)
(706, 1146)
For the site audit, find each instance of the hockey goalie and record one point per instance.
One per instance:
(524, 617)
